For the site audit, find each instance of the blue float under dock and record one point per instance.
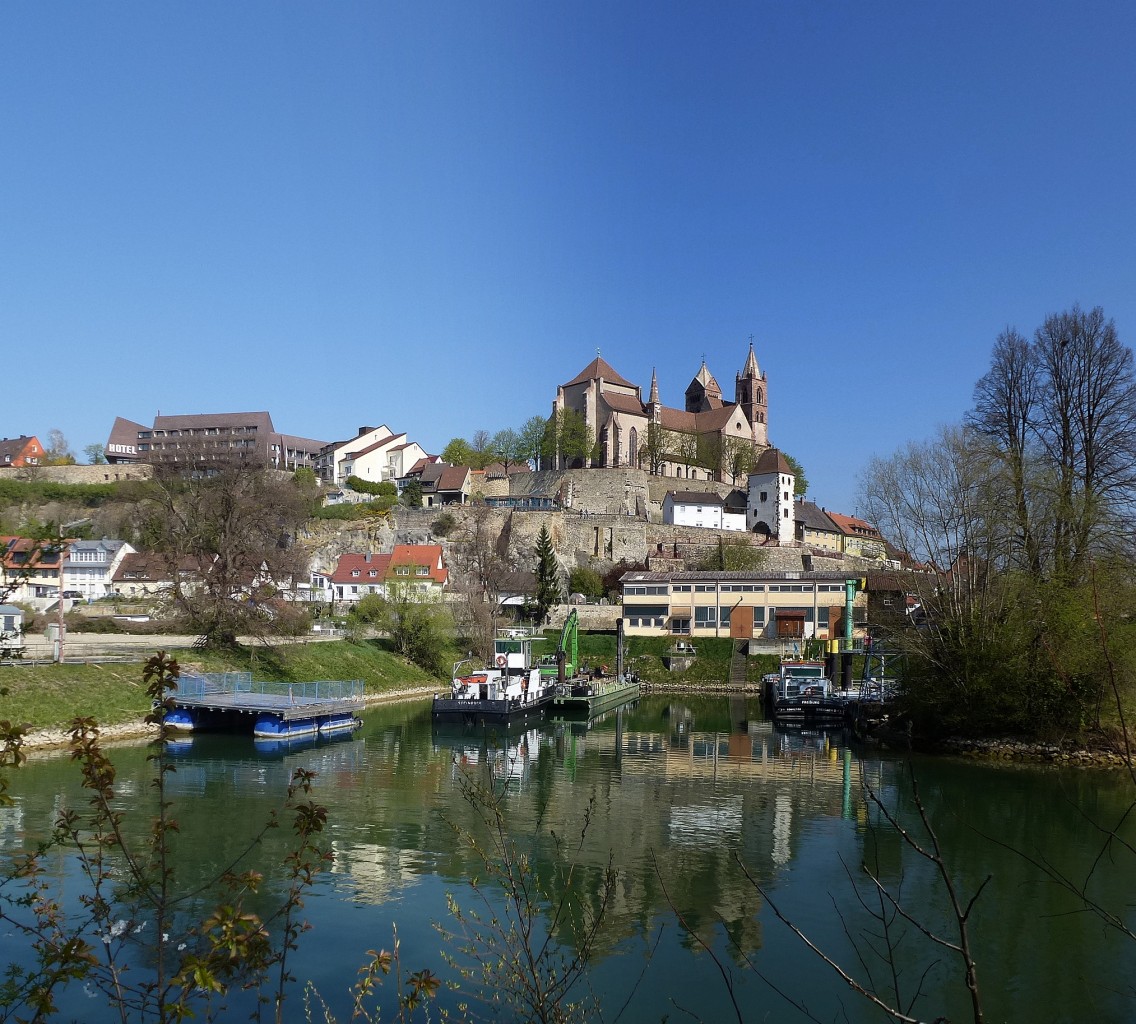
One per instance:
(235, 702)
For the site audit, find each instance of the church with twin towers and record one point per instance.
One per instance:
(710, 438)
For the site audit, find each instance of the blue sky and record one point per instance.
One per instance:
(431, 214)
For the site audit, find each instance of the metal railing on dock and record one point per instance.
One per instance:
(212, 684)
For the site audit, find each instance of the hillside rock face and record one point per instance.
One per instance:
(607, 516)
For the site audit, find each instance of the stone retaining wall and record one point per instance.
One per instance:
(83, 474)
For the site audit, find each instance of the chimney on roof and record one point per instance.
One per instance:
(367, 557)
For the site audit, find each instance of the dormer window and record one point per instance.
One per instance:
(354, 573)
(422, 570)
(373, 573)
(402, 570)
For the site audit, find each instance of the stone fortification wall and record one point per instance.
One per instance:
(618, 492)
(82, 474)
(609, 491)
(580, 536)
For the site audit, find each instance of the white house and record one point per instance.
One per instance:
(771, 507)
(371, 461)
(701, 508)
(11, 630)
(90, 566)
(329, 462)
(422, 567)
(402, 457)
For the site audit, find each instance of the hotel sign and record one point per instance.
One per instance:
(121, 449)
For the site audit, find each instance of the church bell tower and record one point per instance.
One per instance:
(752, 395)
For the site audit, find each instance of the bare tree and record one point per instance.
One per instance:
(1087, 428)
(683, 447)
(58, 451)
(941, 502)
(227, 542)
(1005, 411)
(483, 574)
(739, 458)
(654, 452)
(482, 445)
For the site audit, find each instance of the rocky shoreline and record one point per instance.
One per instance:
(1059, 754)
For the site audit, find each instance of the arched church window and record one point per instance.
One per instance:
(760, 396)
(604, 448)
(633, 447)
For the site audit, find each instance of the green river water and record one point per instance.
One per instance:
(682, 794)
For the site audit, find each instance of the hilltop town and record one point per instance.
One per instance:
(620, 483)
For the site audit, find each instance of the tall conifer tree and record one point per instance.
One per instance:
(547, 574)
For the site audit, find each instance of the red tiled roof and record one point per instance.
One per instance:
(852, 526)
(381, 566)
(14, 450)
(363, 564)
(772, 461)
(452, 478)
(143, 566)
(20, 553)
(427, 555)
(624, 403)
(595, 369)
(384, 440)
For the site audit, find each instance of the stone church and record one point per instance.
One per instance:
(710, 438)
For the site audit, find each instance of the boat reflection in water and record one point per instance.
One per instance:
(499, 752)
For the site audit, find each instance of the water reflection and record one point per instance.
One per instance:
(682, 793)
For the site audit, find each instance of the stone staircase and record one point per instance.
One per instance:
(738, 663)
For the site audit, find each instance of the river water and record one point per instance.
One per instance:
(711, 819)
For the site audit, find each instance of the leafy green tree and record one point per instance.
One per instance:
(382, 488)
(739, 458)
(711, 453)
(96, 454)
(588, 582)
(547, 574)
(416, 623)
(459, 452)
(801, 484)
(412, 494)
(531, 440)
(444, 525)
(734, 555)
(507, 449)
(573, 439)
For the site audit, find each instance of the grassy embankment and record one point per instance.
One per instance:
(51, 696)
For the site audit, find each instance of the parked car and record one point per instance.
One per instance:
(74, 595)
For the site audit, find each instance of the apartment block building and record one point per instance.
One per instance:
(742, 605)
(209, 441)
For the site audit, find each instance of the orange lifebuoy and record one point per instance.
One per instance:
(501, 660)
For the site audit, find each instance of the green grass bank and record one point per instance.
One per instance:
(51, 696)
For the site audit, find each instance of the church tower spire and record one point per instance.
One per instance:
(654, 399)
(752, 394)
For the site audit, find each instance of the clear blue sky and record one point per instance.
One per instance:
(430, 214)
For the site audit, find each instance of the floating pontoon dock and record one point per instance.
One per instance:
(234, 702)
